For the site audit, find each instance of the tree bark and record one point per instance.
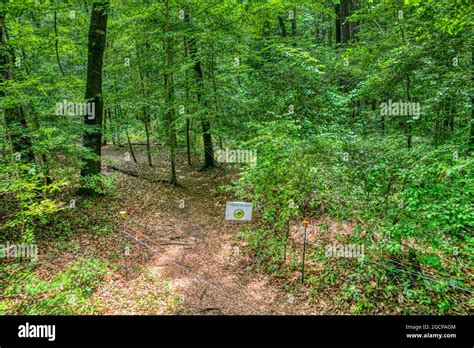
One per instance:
(205, 124)
(337, 8)
(169, 88)
(96, 47)
(345, 27)
(130, 146)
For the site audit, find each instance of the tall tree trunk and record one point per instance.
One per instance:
(206, 126)
(188, 144)
(345, 27)
(96, 47)
(169, 88)
(337, 9)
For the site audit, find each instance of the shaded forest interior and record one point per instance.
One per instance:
(355, 115)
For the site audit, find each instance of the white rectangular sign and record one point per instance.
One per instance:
(239, 211)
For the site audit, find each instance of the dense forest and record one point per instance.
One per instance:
(127, 125)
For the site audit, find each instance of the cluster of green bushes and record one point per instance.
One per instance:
(412, 209)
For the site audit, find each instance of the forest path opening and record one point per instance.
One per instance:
(192, 246)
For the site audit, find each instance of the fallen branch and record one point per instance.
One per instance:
(134, 174)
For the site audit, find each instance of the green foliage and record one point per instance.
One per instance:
(308, 105)
(99, 184)
(66, 292)
(418, 201)
(37, 199)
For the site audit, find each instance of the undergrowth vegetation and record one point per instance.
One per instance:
(411, 209)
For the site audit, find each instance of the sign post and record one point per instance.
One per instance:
(305, 223)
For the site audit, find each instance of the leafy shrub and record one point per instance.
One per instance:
(98, 184)
(418, 202)
(67, 292)
(35, 197)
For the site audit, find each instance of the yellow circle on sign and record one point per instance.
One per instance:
(239, 214)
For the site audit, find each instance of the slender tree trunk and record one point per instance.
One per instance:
(130, 146)
(117, 112)
(188, 121)
(281, 22)
(188, 145)
(169, 87)
(104, 128)
(470, 148)
(408, 123)
(111, 132)
(146, 115)
(97, 40)
(146, 121)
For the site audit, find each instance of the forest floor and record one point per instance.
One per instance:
(190, 249)
(163, 257)
(190, 246)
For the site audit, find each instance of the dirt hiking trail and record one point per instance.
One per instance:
(193, 247)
